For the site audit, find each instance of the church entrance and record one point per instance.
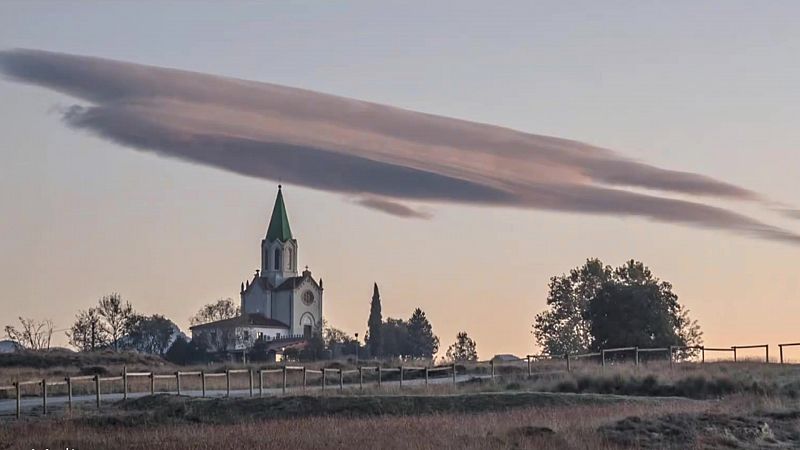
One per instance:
(307, 331)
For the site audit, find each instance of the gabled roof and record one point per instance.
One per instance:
(292, 282)
(243, 320)
(279, 229)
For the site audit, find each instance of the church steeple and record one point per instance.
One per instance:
(279, 248)
(279, 229)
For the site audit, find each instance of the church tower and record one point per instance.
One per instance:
(279, 248)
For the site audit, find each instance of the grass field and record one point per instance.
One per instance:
(714, 405)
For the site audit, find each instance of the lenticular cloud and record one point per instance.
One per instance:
(378, 154)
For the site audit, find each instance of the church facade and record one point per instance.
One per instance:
(277, 303)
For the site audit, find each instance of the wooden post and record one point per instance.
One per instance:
(203, 382)
(125, 382)
(603, 358)
(178, 381)
(97, 389)
(260, 382)
(529, 366)
(491, 367)
(227, 382)
(379, 376)
(44, 397)
(304, 378)
(636, 352)
(454, 374)
(341, 380)
(426, 376)
(401, 377)
(251, 382)
(766, 356)
(567, 358)
(152, 383)
(19, 399)
(671, 359)
(323, 378)
(361, 378)
(780, 347)
(703, 354)
(283, 389)
(69, 393)
(734, 354)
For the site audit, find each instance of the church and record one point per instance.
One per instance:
(277, 304)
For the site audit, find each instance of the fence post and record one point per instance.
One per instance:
(341, 380)
(529, 366)
(734, 353)
(361, 378)
(323, 379)
(97, 389)
(636, 351)
(491, 366)
(780, 347)
(567, 358)
(426, 376)
(766, 350)
(152, 383)
(703, 354)
(69, 393)
(44, 397)
(125, 382)
(380, 371)
(203, 382)
(260, 382)
(454, 374)
(227, 382)
(283, 389)
(603, 357)
(401, 377)
(304, 378)
(178, 381)
(19, 399)
(671, 350)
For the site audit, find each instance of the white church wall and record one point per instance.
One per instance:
(281, 307)
(301, 309)
(257, 300)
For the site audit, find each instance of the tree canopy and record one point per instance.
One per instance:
(464, 349)
(374, 337)
(222, 309)
(596, 306)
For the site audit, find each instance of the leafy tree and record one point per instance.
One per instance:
(32, 334)
(563, 328)
(117, 317)
(152, 334)
(464, 349)
(395, 338)
(606, 307)
(220, 310)
(422, 342)
(89, 332)
(374, 338)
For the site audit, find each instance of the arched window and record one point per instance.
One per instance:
(290, 257)
(277, 263)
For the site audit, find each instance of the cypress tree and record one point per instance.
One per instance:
(375, 337)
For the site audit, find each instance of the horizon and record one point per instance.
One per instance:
(481, 177)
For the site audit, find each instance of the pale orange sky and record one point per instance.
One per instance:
(694, 88)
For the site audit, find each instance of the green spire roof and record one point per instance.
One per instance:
(279, 223)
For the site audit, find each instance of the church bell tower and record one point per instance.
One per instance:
(279, 248)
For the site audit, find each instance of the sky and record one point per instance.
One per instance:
(551, 133)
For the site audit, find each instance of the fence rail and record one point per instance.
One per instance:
(376, 373)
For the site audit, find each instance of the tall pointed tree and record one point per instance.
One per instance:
(374, 335)
(423, 343)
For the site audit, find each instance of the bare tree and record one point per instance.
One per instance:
(219, 310)
(33, 334)
(89, 332)
(117, 316)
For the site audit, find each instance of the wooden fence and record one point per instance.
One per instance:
(328, 376)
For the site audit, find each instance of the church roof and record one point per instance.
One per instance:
(243, 320)
(279, 222)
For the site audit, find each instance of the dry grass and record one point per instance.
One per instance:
(574, 427)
